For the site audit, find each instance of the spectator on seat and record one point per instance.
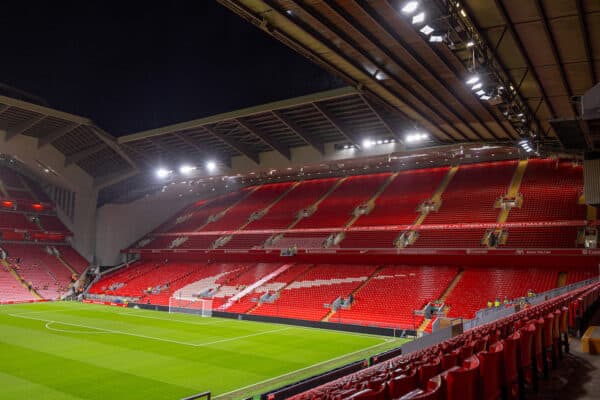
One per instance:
(490, 304)
(497, 302)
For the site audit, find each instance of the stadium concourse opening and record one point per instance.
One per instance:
(406, 208)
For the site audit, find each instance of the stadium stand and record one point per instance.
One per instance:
(504, 356)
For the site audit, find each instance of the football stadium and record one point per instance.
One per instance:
(281, 199)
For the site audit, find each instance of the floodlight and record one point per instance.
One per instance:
(477, 86)
(162, 172)
(419, 18)
(410, 7)
(473, 79)
(426, 30)
(485, 97)
(470, 43)
(436, 38)
(211, 166)
(186, 169)
(367, 143)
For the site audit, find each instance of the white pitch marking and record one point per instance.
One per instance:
(49, 323)
(148, 337)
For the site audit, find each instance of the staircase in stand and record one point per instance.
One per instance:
(355, 291)
(513, 189)
(561, 280)
(66, 264)
(451, 286)
(18, 278)
(225, 211)
(424, 325)
(374, 198)
(437, 195)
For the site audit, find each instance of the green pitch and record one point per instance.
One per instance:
(70, 351)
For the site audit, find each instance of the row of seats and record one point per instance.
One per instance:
(505, 358)
(550, 191)
(40, 269)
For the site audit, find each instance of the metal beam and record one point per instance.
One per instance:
(4, 108)
(83, 154)
(312, 45)
(200, 150)
(298, 130)
(244, 112)
(56, 134)
(555, 55)
(387, 126)
(234, 144)
(338, 125)
(511, 29)
(586, 41)
(112, 143)
(502, 67)
(404, 67)
(23, 126)
(273, 143)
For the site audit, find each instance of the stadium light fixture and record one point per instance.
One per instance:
(186, 169)
(470, 43)
(416, 137)
(477, 86)
(426, 30)
(485, 97)
(211, 166)
(419, 18)
(473, 79)
(436, 38)
(410, 7)
(367, 143)
(162, 173)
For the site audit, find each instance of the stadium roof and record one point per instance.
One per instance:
(548, 51)
(339, 115)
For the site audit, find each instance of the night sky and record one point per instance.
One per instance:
(132, 66)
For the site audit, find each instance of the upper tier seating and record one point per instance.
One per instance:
(256, 201)
(392, 295)
(551, 191)
(52, 223)
(194, 217)
(581, 275)
(336, 209)
(471, 194)
(44, 271)
(284, 212)
(397, 205)
(470, 295)
(17, 221)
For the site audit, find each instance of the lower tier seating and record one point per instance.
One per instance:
(449, 238)
(506, 356)
(43, 271)
(391, 296)
(11, 289)
(477, 286)
(543, 238)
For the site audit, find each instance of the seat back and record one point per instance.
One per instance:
(428, 371)
(462, 383)
(402, 384)
(450, 360)
(511, 365)
(490, 371)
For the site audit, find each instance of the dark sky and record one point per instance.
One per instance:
(132, 66)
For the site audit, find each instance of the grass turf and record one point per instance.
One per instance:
(67, 350)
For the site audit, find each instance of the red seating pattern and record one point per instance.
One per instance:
(305, 299)
(336, 209)
(491, 360)
(256, 201)
(44, 271)
(17, 221)
(10, 178)
(52, 223)
(449, 238)
(550, 191)
(472, 192)
(20, 194)
(75, 260)
(397, 205)
(11, 289)
(470, 295)
(392, 295)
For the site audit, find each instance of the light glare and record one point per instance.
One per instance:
(410, 7)
(211, 165)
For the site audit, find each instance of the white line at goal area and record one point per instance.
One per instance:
(190, 305)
